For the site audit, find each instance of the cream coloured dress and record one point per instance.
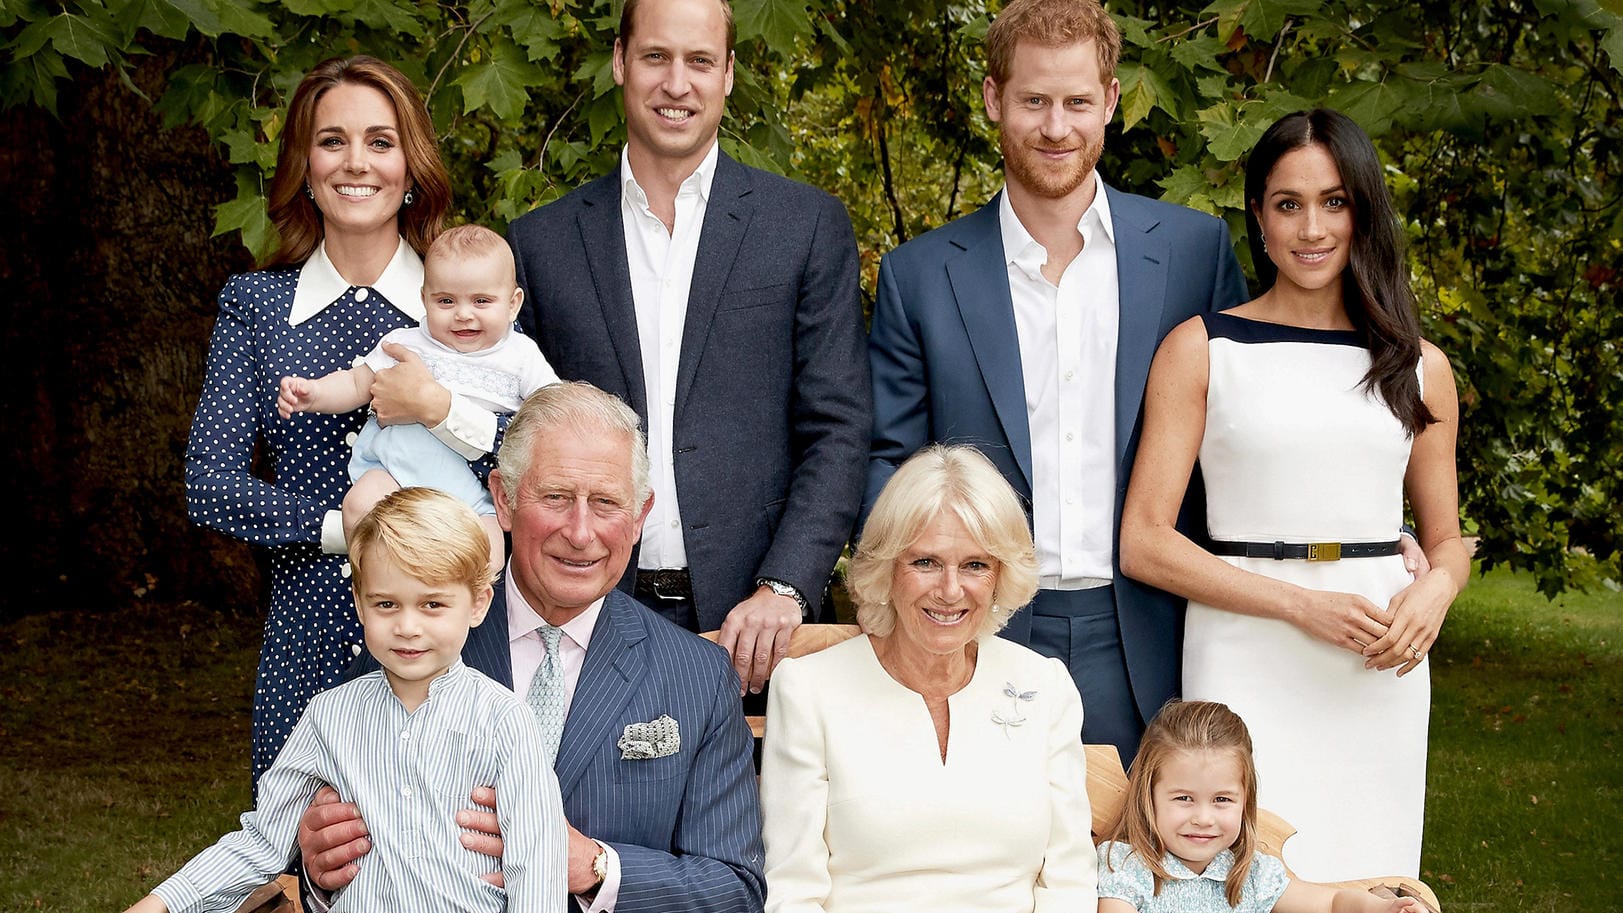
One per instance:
(1296, 450)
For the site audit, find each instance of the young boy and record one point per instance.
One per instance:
(470, 299)
(406, 743)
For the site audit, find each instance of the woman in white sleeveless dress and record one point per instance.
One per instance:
(1313, 410)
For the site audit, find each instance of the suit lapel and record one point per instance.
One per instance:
(487, 648)
(1142, 261)
(726, 218)
(614, 667)
(980, 287)
(602, 235)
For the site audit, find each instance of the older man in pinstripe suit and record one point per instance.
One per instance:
(665, 822)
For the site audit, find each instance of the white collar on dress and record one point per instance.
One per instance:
(320, 284)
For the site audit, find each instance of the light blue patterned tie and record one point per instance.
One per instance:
(546, 695)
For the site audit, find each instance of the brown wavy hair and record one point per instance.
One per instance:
(1375, 285)
(297, 220)
(1051, 23)
(1188, 726)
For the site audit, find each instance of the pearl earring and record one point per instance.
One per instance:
(406, 200)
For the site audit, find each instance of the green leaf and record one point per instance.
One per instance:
(33, 79)
(1229, 136)
(1262, 19)
(1142, 90)
(1134, 31)
(1508, 92)
(83, 38)
(500, 83)
(225, 17)
(1199, 53)
(246, 214)
(531, 25)
(777, 23)
(389, 14)
(1372, 104)
(598, 69)
(159, 17)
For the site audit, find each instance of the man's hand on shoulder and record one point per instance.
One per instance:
(331, 837)
(756, 635)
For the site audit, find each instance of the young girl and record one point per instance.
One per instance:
(1187, 838)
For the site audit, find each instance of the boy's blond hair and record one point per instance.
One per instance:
(467, 241)
(428, 533)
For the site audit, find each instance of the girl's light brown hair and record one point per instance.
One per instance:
(297, 220)
(1188, 726)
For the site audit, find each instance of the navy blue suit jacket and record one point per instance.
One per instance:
(946, 368)
(687, 827)
(772, 394)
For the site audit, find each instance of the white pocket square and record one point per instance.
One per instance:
(654, 739)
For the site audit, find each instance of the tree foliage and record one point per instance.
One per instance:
(1499, 123)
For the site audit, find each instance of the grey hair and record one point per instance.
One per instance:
(580, 407)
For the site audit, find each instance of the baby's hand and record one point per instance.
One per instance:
(1405, 905)
(295, 396)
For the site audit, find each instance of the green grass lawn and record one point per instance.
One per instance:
(123, 750)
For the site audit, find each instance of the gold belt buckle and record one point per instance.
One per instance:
(1324, 551)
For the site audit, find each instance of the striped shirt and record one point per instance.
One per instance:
(409, 774)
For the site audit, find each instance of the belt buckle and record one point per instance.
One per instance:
(1324, 551)
(663, 579)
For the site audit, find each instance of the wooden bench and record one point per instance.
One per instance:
(1107, 782)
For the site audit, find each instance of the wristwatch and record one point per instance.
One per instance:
(600, 865)
(784, 589)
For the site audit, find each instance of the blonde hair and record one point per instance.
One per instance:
(938, 479)
(430, 534)
(578, 406)
(472, 241)
(1186, 726)
(1051, 23)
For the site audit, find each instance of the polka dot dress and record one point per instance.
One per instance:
(311, 634)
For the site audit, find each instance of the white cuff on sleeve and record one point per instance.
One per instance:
(332, 533)
(468, 429)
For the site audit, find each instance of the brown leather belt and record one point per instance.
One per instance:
(666, 584)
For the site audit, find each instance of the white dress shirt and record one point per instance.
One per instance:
(528, 650)
(468, 428)
(661, 267)
(1067, 335)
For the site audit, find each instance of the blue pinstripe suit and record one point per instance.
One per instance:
(687, 827)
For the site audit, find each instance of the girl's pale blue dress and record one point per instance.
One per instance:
(270, 481)
(1124, 876)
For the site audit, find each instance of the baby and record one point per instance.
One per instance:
(467, 342)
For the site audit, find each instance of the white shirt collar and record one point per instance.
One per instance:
(1216, 870)
(320, 284)
(522, 620)
(699, 181)
(1019, 247)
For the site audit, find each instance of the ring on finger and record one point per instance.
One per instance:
(1415, 652)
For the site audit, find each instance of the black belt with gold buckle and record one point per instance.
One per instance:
(666, 584)
(1305, 551)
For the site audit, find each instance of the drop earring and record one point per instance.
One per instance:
(308, 192)
(406, 200)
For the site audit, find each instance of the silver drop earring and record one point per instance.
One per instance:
(406, 200)
(309, 192)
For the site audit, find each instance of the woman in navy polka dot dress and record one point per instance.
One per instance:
(360, 191)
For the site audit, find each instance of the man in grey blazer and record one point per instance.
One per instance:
(722, 303)
(672, 823)
(1027, 329)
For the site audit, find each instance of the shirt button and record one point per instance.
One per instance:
(405, 735)
(351, 438)
(360, 294)
(405, 792)
(1069, 436)
(675, 524)
(344, 571)
(354, 649)
(1070, 374)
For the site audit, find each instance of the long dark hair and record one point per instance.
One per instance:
(297, 220)
(1375, 285)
